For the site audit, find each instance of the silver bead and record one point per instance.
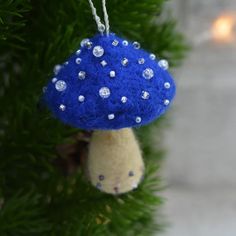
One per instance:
(111, 116)
(98, 51)
(82, 75)
(136, 45)
(101, 28)
(152, 56)
(167, 85)
(148, 73)
(104, 92)
(98, 185)
(83, 42)
(101, 177)
(66, 63)
(131, 173)
(103, 63)
(116, 189)
(60, 85)
(138, 119)
(54, 80)
(81, 98)
(141, 61)
(88, 44)
(163, 64)
(112, 74)
(166, 102)
(124, 61)
(145, 95)
(78, 52)
(56, 69)
(62, 107)
(125, 43)
(78, 60)
(124, 99)
(115, 42)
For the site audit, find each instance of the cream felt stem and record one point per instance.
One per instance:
(115, 164)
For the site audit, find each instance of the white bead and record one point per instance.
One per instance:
(62, 107)
(115, 42)
(148, 73)
(83, 42)
(104, 92)
(138, 119)
(103, 63)
(167, 85)
(166, 102)
(112, 74)
(81, 75)
(124, 99)
(152, 56)
(111, 116)
(163, 64)
(54, 80)
(145, 95)
(136, 45)
(141, 61)
(56, 69)
(81, 98)
(98, 51)
(60, 85)
(78, 52)
(44, 89)
(78, 60)
(124, 61)
(134, 185)
(66, 63)
(125, 43)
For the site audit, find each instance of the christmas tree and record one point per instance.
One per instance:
(43, 190)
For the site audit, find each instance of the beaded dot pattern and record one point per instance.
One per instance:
(124, 85)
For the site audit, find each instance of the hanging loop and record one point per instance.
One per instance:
(100, 26)
(106, 18)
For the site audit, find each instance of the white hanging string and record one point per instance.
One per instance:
(96, 17)
(100, 26)
(106, 18)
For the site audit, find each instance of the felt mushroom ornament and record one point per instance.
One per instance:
(110, 85)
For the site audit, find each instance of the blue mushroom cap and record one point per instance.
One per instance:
(110, 83)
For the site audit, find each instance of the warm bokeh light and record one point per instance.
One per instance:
(223, 28)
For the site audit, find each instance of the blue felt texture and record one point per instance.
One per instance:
(93, 112)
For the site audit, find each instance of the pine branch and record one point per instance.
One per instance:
(22, 215)
(11, 22)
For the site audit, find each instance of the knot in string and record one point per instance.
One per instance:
(100, 26)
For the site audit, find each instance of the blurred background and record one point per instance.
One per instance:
(200, 167)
